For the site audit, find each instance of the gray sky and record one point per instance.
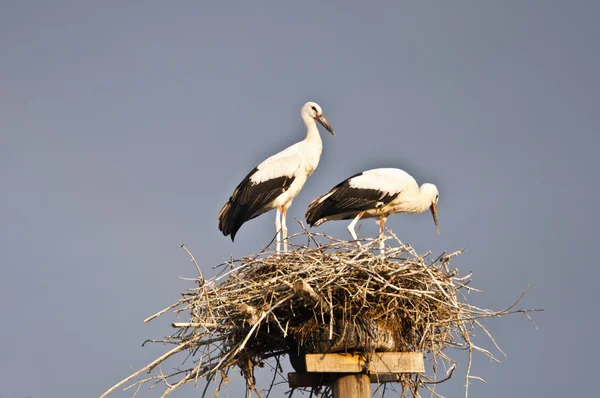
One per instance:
(125, 128)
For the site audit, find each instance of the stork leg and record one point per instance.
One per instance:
(352, 224)
(278, 230)
(284, 228)
(381, 233)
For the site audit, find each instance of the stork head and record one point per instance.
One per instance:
(430, 195)
(314, 111)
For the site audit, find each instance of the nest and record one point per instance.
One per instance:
(325, 296)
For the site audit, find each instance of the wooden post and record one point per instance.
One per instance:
(353, 385)
(350, 375)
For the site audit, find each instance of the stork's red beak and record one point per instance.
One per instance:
(321, 119)
(435, 220)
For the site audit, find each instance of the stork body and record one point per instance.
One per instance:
(275, 182)
(375, 193)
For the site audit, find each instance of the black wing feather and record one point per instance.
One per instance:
(248, 200)
(346, 199)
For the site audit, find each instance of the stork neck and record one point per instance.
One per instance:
(312, 131)
(413, 203)
(423, 201)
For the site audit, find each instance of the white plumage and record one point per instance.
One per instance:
(375, 193)
(275, 182)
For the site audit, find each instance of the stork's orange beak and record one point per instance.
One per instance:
(321, 119)
(434, 213)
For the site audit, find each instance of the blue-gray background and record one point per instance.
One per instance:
(125, 127)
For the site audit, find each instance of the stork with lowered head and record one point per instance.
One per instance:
(375, 193)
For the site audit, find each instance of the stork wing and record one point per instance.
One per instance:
(258, 190)
(283, 164)
(363, 191)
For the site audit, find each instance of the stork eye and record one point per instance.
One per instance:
(314, 108)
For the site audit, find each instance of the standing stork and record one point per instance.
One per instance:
(275, 182)
(374, 193)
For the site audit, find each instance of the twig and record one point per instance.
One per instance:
(200, 277)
